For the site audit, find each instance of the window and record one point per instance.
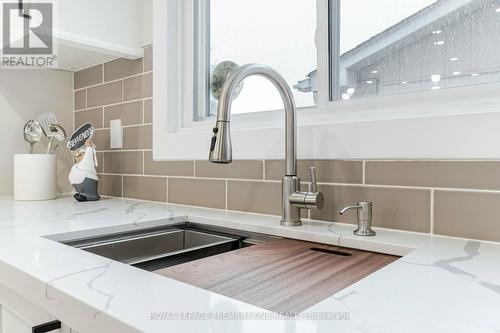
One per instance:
(386, 47)
(389, 78)
(278, 33)
(402, 46)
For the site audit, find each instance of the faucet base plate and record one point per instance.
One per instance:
(291, 223)
(364, 233)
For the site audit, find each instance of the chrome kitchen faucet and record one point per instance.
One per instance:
(220, 148)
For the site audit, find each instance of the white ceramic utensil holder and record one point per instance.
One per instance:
(35, 177)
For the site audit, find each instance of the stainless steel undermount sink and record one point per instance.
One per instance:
(278, 274)
(156, 248)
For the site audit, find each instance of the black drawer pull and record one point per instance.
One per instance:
(47, 327)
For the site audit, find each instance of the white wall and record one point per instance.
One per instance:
(147, 22)
(24, 94)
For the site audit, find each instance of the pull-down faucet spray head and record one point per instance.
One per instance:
(220, 146)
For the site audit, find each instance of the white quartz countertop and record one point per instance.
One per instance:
(439, 285)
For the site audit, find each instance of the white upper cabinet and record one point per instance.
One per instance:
(93, 31)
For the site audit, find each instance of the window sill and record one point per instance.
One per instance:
(459, 123)
(450, 102)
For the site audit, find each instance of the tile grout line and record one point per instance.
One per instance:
(114, 104)
(113, 81)
(167, 189)
(104, 120)
(143, 117)
(364, 173)
(320, 183)
(124, 151)
(125, 126)
(226, 196)
(278, 181)
(190, 177)
(412, 187)
(432, 212)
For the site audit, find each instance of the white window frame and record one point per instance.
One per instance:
(460, 123)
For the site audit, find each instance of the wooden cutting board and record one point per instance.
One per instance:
(282, 275)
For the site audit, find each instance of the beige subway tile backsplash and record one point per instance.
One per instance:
(328, 171)
(197, 192)
(101, 139)
(467, 214)
(148, 111)
(129, 113)
(405, 209)
(123, 162)
(104, 94)
(80, 99)
(137, 87)
(401, 191)
(110, 185)
(447, 174)
(145, 188)
(121, 68)
(88, 77)
(93, 116)
(138, 137)
(254, 196)
(235, 170)
(167, 168)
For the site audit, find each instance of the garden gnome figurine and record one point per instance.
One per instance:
(83, 175)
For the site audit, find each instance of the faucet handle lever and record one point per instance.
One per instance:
(309, 199)
(314, 187)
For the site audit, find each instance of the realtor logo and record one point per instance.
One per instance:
(27, 34)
